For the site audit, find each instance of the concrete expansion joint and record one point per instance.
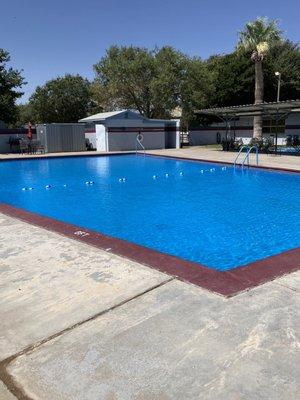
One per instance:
(10, 383)
(8, 379)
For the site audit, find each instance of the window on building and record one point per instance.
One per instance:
(269, 126)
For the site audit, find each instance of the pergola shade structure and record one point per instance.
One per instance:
(274, 110)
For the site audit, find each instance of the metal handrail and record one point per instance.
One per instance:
(248, 154)
(138, 141)
(241, 149)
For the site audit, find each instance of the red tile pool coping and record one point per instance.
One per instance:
(226, 283)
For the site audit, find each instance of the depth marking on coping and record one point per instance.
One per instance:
(81, 233)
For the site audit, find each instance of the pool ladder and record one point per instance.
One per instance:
(246, 158)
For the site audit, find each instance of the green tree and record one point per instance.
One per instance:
(123, 79)
(285, 58)
(133, 77)
(64, 99)
(234, 80)
(257, 38)
(197, 89)
(24, 115)
(10, 83)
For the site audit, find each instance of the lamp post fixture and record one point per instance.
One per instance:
(278, 74)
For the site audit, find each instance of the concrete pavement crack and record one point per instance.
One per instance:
(8, 380)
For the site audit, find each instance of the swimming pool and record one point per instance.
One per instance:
(211, 214)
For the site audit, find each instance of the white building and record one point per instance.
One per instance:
(118, 131)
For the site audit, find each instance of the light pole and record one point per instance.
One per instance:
(278, 74)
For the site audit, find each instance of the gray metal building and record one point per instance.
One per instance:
(61, 137)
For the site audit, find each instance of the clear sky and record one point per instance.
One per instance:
(48, 38)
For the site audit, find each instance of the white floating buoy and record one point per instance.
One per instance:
(48, 186)
(180, 173)
(223, 168)
(201, 171)
(123, 179)
(167, 175)
(87, 182)
(154, 176)
(91, 182)
(64, 185)
(24, 189)
(30, 188)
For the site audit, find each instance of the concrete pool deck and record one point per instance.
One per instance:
(211, 153)
(81, 323)
(77, 322)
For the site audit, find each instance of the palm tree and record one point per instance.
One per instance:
(257, 37)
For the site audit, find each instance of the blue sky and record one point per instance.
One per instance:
(50, 38)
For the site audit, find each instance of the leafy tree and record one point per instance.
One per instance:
(166, 85)
(159, 81)
(257, 38)
(123, 79)
(285, 58)
(197, 89)
(10, 81)
(133, 77)
(24, 115)
(233, 79)
(64, 99)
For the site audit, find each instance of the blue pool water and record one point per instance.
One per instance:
(207, 213)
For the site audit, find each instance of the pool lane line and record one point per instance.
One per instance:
(226, 283)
